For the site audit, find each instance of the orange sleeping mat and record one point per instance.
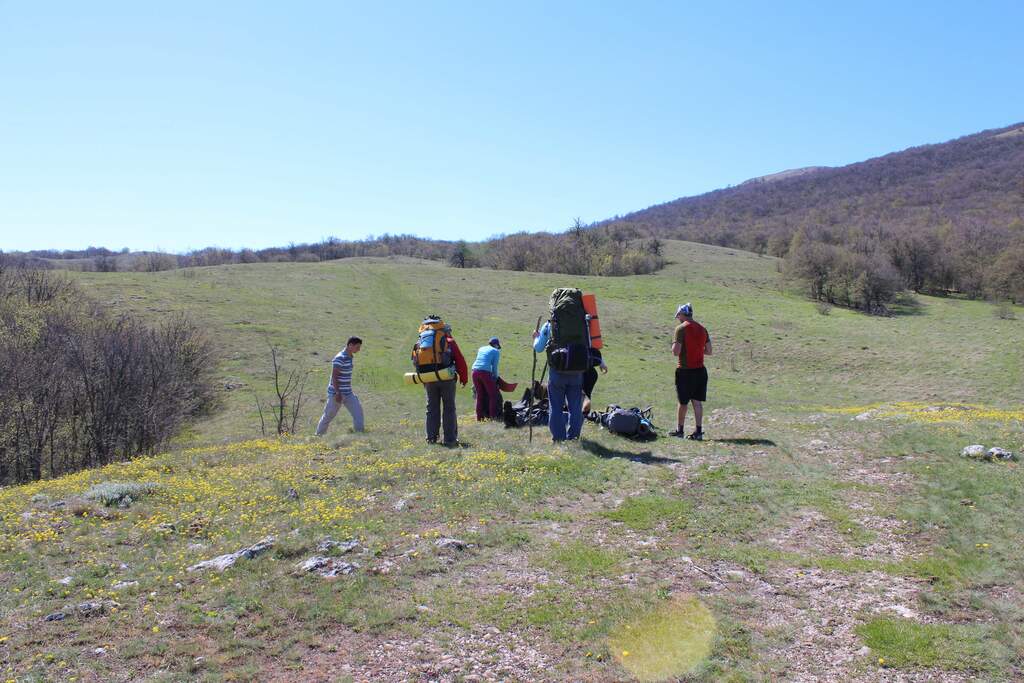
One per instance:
(590, 306)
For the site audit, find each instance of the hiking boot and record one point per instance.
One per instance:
(696, 436)
(678, 432)
(432, 442)
(452, 444)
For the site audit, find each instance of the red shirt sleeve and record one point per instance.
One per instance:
(460, 362)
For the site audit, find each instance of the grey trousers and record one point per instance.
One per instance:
(441, 394)
(351, 403)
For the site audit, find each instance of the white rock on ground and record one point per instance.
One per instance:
(94, 609)
(329, 544)
(973, 451)
(901, 610)
(222, 562)
(451, 544)
(328, 567)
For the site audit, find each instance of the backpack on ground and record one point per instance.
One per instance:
(528, 409)
(632, 423)
(568, 348)
(431, 352)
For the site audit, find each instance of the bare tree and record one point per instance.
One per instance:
(105, 263)
(577, 228)
(460, 255)
(289, 396)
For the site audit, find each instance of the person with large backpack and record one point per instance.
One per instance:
(436, 353)
(565, 340)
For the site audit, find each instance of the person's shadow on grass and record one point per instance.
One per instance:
(745, 442)
(602, 451)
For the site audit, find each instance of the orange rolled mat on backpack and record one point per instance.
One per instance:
(590, 306)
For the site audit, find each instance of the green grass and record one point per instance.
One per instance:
(643, 513)
(902, 643)
(567, 544)
(580, 559)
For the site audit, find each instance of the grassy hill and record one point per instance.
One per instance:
(934, 218)
(829, 530)
(973, 180)
(773, 348)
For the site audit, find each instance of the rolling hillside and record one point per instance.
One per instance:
(772, 347)
(975, 181)
(829, 529)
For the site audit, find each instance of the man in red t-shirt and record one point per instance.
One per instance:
(690, 343)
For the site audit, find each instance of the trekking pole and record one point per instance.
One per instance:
(533, 377)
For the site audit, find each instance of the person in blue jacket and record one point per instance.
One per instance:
(485, 380)
(564, 388)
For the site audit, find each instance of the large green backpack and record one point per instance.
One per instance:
(568, 348)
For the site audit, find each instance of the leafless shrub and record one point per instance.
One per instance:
(82, 388)
(153, 262)
(289, 396)
(105, 263)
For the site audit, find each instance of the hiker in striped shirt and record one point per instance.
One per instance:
(339, 391)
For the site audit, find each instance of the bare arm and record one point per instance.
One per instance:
(336, 382)
(707, 348)
(677, 348)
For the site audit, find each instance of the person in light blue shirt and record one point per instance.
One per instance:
(563, 388)
(485, 380)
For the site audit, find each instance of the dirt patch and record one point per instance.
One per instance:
(480, 654)
(809, 532)
(509, 574)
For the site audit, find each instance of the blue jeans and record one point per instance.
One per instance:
(564, 387)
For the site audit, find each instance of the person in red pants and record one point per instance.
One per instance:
(485, 380)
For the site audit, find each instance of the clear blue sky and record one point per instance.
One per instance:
(182, 125)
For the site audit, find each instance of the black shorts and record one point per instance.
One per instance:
(589, 380)
(691, 384)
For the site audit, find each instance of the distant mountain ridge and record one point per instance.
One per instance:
(783, 175)
(946, 217)
(977, 179)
